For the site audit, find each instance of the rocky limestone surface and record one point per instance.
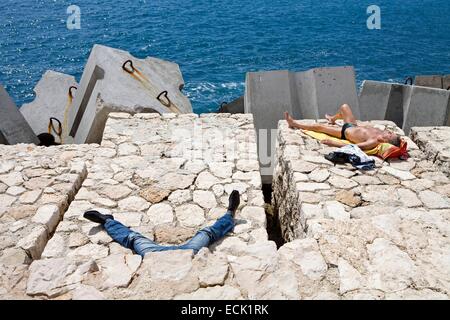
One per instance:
(380, 234)
(166, 177)
(36, 186)
(376, 235)
(435, 143)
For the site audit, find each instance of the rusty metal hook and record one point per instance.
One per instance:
(165, 94)
(51, 126)
(124, 66)
(70, 91)
(410, 79)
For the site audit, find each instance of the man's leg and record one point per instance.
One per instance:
(124, 235)
(209, 235)
(345, 113)
(142, 245)
(317, 127)
(131, 239)
(203, 238)
(218, 230)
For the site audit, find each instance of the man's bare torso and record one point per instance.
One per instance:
(359, 134)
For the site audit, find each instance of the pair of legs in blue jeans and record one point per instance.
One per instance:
(142, 245)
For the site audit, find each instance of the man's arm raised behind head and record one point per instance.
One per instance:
(369, 144)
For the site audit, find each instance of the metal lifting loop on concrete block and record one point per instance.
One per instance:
(124, 66)
(410, 79)
(223, 104)
(165, 94)
(70, 91)
(52, 127)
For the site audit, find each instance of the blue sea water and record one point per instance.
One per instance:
(217, 42)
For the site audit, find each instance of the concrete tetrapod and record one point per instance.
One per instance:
(53, 99)
(13, 126)
(109, 84)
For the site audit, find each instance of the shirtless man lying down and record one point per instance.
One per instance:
(365, 137)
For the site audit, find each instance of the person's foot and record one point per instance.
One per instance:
(97, 217)
(289, 120)
(234, 201)
(330, 119)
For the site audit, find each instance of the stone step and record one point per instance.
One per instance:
(435, 143)
(37, 185)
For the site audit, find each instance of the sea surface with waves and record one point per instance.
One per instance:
(217, 42)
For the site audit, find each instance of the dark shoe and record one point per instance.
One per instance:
(97, 217)
(234, 201)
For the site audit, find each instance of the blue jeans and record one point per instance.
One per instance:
(142, 245)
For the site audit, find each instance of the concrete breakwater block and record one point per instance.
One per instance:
(426, 107)
(13, 126)
(309, 94)
(107, 87)
(235, 106)
(267, 96)
(52, 100)
(332, 87)
(435, 81)
(383, 100)
(446, 83)
(405, 105)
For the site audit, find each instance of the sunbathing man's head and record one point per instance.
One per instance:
(392, 138)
